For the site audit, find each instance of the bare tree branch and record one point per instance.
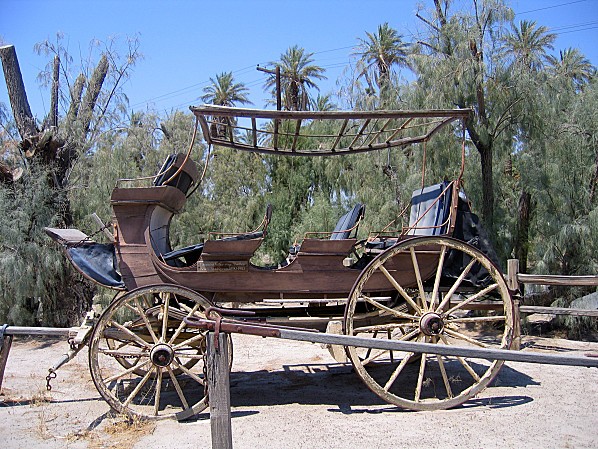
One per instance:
(52, 119)
(76, 93)
(91, 95)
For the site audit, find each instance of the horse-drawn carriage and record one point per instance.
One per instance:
(420, 282)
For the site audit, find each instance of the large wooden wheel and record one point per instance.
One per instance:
(144, 360)
(420, 304)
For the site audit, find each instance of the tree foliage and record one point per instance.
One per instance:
(298, 76)
(531, 151)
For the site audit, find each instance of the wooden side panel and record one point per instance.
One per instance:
(136, 267)
(324, 255)
(133, 209)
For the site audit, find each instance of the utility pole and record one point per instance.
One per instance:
(275, 72)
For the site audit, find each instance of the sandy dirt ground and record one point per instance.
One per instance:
(293, 395)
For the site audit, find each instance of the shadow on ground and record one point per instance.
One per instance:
(337, 385)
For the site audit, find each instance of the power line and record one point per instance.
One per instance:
(550, 7)
(566, 29)
(582, 29)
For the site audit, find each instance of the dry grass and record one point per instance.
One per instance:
(40, 400)
(121, 432)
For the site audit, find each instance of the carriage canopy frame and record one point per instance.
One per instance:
(319, 133)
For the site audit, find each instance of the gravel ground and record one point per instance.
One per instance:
(293, 395)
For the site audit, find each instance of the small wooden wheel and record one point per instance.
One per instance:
(434, 290)
(144, 360)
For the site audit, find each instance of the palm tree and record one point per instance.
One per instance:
(379, 52)
(224, 91)
(573, 65)
(529, 43)
(297, 76)
(324, 103)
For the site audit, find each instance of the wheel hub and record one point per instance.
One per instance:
(162, 355)
(431, 324)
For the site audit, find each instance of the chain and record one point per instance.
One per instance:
(205, 374)
(51, 375)
(89, 237)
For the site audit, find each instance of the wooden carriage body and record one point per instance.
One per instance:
(224, 271)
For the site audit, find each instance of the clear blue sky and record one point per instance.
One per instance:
(186, 42)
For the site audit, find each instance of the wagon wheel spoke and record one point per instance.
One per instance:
(416, 269)
(145, 320)
(165, 316)
(138, 387)
(477, 319)
(460, 336)
(456, 285)
(183, 324)
(178, 389)
(463, 362)
(397, 371)
(388, 309)
(420, 377)
(471, 299)
(438, 277)
(400, 289)
(131, 334)
(191, 374)
(381, 352)
(445, 379)
(139, 365)
(418, 278)
(151, 379)
(158, 391)
(131, 308)
(192, 340)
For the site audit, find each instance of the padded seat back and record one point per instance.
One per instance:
(184, 179)
(430, 210)
(348, 222)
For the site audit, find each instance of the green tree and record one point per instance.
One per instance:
(46, 154)
(571, 64)
(224, 91)
(456, 64)
(298, 76)
(324, 103)
(379, 52)
(528, 44)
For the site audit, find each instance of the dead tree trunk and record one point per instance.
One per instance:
(526, 207)
(16, 93)
(52, 118)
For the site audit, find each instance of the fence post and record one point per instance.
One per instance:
(5, 344)
(218, 372)
(513, 284)
(512, 272)
(516, 344)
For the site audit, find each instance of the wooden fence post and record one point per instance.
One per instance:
(5, 344)
(513, 284)
(219, 391)
(512, 272)
(516, 344)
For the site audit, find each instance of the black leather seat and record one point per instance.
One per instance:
(345, 226)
